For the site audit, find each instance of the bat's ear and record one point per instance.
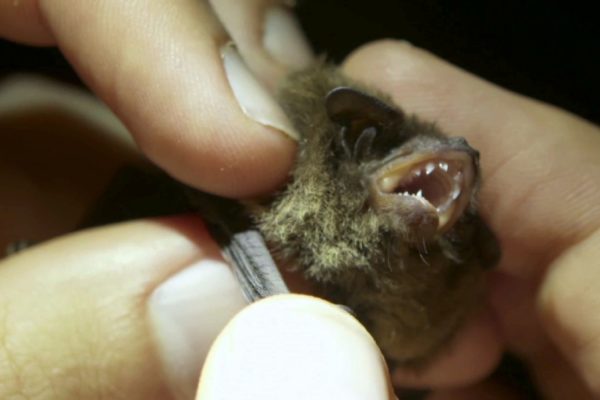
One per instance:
(345, 105)
(368, 124)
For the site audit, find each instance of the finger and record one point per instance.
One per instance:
(538, 162)
(268, 35)
(127, 311)
(202, 117)
(468, 358)
(294, 347)
(569, 300)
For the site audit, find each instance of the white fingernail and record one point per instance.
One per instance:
(284, 40)
(253, 98)
(186, 313)
(294, 347)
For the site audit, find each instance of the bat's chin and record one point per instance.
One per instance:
(438, 185)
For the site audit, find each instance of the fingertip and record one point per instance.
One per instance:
(218, 131)
(232, 158)
(294, 347)
(225, 134)
(159, 68)
(268, 35)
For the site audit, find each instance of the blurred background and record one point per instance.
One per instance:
(549, 50)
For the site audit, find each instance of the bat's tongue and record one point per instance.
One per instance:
(441, 183)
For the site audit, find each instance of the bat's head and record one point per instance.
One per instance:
(419, 181)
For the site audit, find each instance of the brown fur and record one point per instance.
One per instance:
(322, 223)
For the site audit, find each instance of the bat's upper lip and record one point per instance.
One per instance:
(442, 183)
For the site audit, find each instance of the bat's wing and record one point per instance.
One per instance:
(243, 245)
(257, 273)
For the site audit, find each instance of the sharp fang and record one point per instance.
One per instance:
(443, 165)
(429, 168)
(420, 193)
(455, 193)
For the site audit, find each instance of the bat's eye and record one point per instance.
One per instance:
(440, 182)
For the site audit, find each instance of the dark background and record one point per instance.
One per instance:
(544, 49)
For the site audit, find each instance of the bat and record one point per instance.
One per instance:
(379, 215)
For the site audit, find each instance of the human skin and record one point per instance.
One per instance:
(540, 195)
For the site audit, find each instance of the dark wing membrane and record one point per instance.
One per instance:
(256, 271)
(242, 244)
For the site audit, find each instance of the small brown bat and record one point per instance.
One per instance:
(379, 215)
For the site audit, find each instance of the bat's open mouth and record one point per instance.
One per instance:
(442, 181)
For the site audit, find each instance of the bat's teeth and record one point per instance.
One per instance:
(442, 183)
(429, 168)
(455, 192)
(458, 176)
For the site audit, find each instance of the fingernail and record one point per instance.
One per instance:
(284, 40)
(294, 347)
(186, 313)
(253, 98)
